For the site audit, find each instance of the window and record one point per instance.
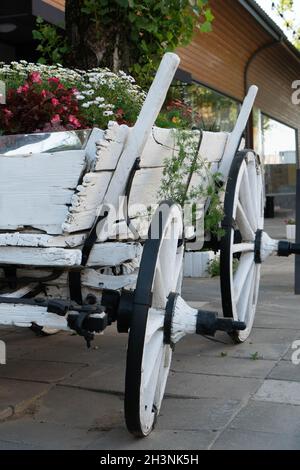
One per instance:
(276, 143)
(211, 110)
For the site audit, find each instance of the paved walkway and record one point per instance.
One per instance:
(55, 394)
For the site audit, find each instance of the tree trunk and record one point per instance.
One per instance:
(93, 44)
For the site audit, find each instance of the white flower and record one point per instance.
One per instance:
(86, 105)
(108, 113)
(99, 99)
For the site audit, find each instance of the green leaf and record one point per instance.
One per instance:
(206, 27)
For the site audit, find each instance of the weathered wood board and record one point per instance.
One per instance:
(35, 190)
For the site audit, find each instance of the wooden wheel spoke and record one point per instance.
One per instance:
(246, 200)
(155, 322)
(152, 352)
(244, 298)
(250, 306)
(245, 264)
(243, 248)
(243, 223)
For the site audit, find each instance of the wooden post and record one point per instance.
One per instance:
(297, 257)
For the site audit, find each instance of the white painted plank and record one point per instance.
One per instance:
(213, 146)
(21, 292)
(144, 191)
(113, 254)
(25, 315)
(91, 148)
(92, 278)
(39, 256)
(35, 189)
(86, 201)
(235, 137)
(39, 240)
(110, 147)
(160, 146)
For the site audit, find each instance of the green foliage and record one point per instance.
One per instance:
(286, 9)
(52, 44)
(177, 176)
(146, 29)
(255, 356)
(213, 268)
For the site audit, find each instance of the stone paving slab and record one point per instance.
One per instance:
(222, 365)
(159, 440)
(43, 435)
(279, 391)
(285, 370)
(194, 415)
(210, 386)
(261, 416)
(80, 408)
(269, 344)
(237, 439)
(17, 396)
(40, 371)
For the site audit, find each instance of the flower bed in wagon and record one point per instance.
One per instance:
(42, 98)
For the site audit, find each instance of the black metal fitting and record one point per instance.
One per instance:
(59, 307)
(208, 324)
(286, 249)
(125, 310)
(169, 317)
(86, 325)
(110, 300)
(257, 247)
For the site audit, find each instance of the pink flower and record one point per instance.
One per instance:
(23, 88)
(55, 119)
(74, 90)
(7, 113)
(43, 93)
(55, 101)
(35, 77)
(73, 120)
(53, 80)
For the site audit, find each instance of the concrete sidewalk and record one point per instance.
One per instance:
(56, 394)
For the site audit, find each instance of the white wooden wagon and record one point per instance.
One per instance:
(73, 256)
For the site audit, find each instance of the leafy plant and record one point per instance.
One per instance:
(255, 356)
(52, 43)
(176, 183)
(34, 108)
(290, 222)
(213, 268)
(130, 35)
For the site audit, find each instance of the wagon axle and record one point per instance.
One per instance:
(179, 319)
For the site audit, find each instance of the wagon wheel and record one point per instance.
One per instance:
(240, 265)
(148, 358)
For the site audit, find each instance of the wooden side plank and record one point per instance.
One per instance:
(113, 254)
(144, 191)
(35, 189)
(39, 256)
(86, 201)
(102, 254)
(110, 147)
(39, 240)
